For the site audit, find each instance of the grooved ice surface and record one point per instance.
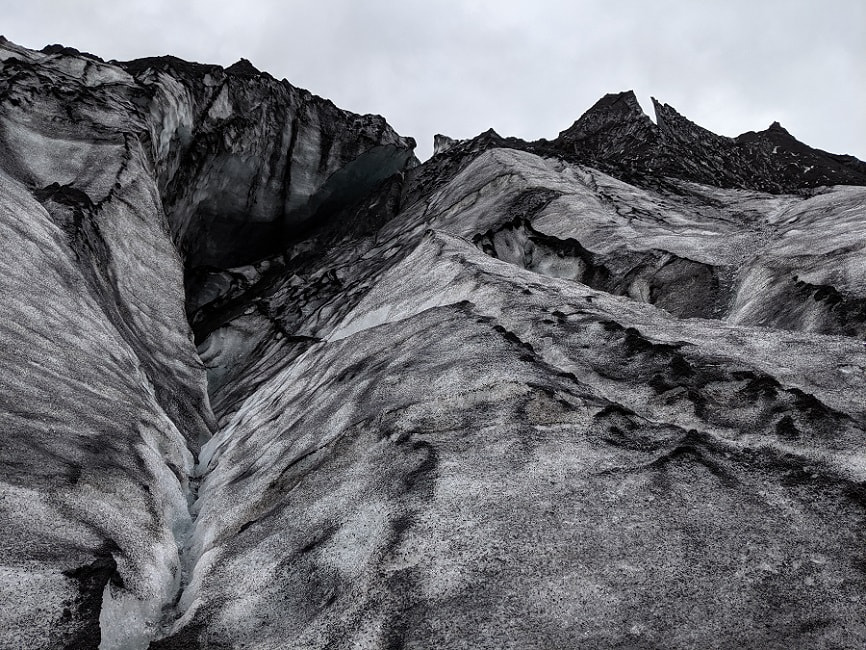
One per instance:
(103, 400)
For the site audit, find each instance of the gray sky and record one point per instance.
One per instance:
(527, 68)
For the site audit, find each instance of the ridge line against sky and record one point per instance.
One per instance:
(526, 69)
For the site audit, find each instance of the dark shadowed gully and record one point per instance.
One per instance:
(268, 382)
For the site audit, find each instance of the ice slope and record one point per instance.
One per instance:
(465, 451)
(103, 398)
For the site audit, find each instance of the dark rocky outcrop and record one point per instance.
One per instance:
(616, 136)
(615, 128)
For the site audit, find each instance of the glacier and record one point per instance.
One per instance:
(270, 382)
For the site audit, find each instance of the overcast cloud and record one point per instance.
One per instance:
(526, 68)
